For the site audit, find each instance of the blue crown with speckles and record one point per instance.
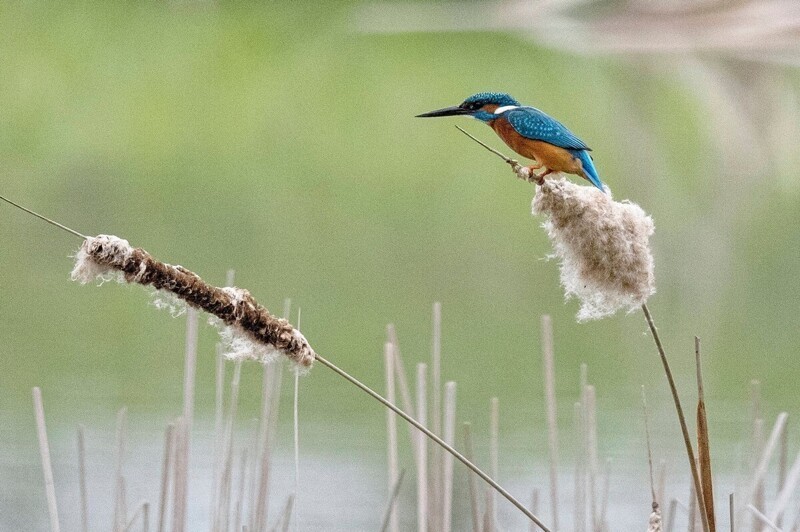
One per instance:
(498, 98)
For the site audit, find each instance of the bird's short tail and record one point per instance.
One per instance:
(589, 171)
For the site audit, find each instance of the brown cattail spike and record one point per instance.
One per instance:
(252, 331)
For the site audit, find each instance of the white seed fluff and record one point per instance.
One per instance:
(602, 246)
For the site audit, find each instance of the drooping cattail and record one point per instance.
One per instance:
(602, 246)
(250, 332)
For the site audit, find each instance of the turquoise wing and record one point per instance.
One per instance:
(533, 124)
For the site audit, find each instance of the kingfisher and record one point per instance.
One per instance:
(529, 132)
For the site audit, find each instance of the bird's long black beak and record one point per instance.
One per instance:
(447, 111)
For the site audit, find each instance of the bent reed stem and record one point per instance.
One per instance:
(681, 418)
(436, 439)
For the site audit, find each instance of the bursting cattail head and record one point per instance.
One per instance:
(602, 245)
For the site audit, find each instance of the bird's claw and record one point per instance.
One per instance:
(525, 173)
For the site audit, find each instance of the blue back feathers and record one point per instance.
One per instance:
(533, 124)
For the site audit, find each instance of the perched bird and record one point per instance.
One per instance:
(529, 132)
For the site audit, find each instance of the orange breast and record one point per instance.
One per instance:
(552, 157)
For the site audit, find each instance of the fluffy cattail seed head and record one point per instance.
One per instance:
(602, 245)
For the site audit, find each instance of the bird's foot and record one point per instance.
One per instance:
(526, 173)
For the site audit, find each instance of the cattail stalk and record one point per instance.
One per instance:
(422, 450)
(44, 452)
(120, 510)
(447, 465)
(436, 465)
(473, 488)
(687, 441)
(82, 478)
(704, 445)
(394, 494)
(169, 444)
(391, 435)
(548, 362)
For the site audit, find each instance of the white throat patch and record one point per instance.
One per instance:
(501, 110)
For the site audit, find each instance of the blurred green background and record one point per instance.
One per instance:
(279, 140)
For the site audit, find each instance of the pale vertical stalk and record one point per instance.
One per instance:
(447, 466)
(757, 482)
(44, 452)
(270, 397)
(673, 507)
(219, 405)
(422, 450)
(237, 521)
(435, 499)
(82, 478)
(534, 508)
(548, 364)
(494, 466)
(473, 482)
(402, 380)
(756, 498)
(296, 447)
(731, 512)
(120, 517)
(142, 509)
(580, 470)
(783, 464)
(391, 434)
(591, 442)
(763, 519)
(182, 487)
(604, 500)
(222, 512)
(169, 444)
(786, 492)
(178, 476)
(269, 420)
(393, 495)
(219, 420)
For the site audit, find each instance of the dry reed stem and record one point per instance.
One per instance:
(783, 464)
(580, 469)
(494, 460)
(601, 521)
(120, 511)
(190, 365)
(649, 450)
(786, 492)
(687, 441)
(101, 256)
(144, 510)
(534, 507)
(548, 363)
(704, 444)
(391, 436)
(757, 482)
(763, 518)
(178, 475)
(447, 465)
(435, 491)
(591, 448)
(692, 508)
(82, 478)
(393, 496)
(219, 405)
(268, 419)
(422, 449)
(221, 508)
(433, 437)
(296, 423)
(731, 512)
(47, 467)
(237, 520)
(169, 443)
(473, 488)
(402, 379)
(673, 508)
